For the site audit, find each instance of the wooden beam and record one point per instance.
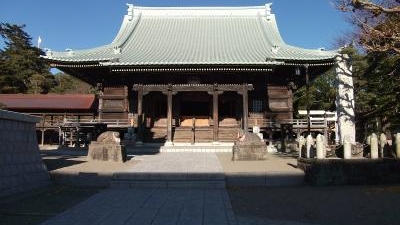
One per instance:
(192, 87)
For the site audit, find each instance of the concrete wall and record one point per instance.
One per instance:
(21, 166)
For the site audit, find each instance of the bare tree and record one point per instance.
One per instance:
(378, 22)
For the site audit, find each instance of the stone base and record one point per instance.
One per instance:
(249, 151)
(362, 171)
(103, 151)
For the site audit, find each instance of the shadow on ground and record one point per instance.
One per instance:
(38, 205)
(57, 162)
(367, 205)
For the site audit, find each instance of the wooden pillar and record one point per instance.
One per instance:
(215, 94)
(43, 130)
(245, 107)
(169, 94)
(308, 99)
(215, 115)
(140, 115)
(99, 88)
(60, 137)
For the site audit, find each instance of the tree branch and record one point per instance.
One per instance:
(375, 8)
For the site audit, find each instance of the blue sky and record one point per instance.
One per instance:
(80, 24)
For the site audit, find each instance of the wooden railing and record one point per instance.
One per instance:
(109, 122)
(315, 123)
(48, 124)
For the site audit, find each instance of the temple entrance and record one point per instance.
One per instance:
(228, 105)
(229, 109)
(193, 99)
(190, 108)
(194, 105)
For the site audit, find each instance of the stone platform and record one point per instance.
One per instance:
(151, 206)
(357, 171)
(180, 169)
(184, 169)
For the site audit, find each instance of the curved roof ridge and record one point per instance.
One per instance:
(202, 11)
(195, 35)
(127, 27)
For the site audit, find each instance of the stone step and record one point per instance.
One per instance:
(169, 180)
(184, 134)
(265, 179)
(198, 147)
(194, 180)
(204, 135)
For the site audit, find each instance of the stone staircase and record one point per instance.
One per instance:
(184, 169)
(169, 180)
(204, 134)
(184, 134)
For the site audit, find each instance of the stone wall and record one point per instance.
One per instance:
(21, 166)
(328, 172)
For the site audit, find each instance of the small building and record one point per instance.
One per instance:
(56, 111)
(196, 73)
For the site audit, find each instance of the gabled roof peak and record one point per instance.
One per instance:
(198, 11)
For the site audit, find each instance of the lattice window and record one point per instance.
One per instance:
(257, 105)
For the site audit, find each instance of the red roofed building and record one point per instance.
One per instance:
(54, 109)
(77, 104)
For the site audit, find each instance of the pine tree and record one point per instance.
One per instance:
(21, 68)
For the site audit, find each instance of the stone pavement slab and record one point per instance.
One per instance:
(263, 221)
(184, 169)
(151, 206)
(178, 162)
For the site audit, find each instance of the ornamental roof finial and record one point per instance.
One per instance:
(268, 9)
(268, 13)
(130, 11)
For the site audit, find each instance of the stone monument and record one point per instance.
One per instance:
(374, 146)
(249, 147)
(398, 145)
(107, 148)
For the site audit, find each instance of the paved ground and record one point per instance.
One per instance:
(151, 206)
(189, 162)
(274, 162)
(242, 206)
(364, 205)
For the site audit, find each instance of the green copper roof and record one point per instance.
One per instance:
(195, 35)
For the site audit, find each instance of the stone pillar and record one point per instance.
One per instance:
(309, 144)
(345, 99)
(302, 142)
(374, 146)
(320, 147)
(347, 147)
(382, 143)
(398, 145)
